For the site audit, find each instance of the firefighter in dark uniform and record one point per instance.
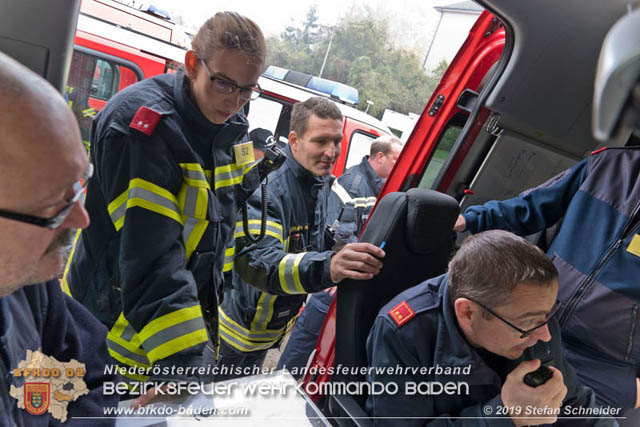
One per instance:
(171, 169)
(351, 200)
(478, 330)
(273, 276)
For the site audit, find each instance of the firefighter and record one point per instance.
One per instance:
(272, 276)
(352, 198)
(79, 103)
(171, 168)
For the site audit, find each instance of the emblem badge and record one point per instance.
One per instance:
(36, 397)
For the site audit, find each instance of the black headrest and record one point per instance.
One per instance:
(429, 213)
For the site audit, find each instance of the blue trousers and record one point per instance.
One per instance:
(305, 334)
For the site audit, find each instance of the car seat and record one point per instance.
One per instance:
(416, 230)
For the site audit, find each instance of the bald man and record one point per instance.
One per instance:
(43, 167)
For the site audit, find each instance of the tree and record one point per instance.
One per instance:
(362, 55)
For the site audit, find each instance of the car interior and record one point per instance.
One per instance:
(414, 228)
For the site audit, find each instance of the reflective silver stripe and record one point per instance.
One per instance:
(128, 354)
(255, 229)
(128, 333)
(363, 201)
(247, 334)
(289, 285)
(173, 332)
(189, 224)
(233, 341)
(340, 192)
(190, 201)
(266, 311)
(195, 175)
(141, 193)
(228, 175)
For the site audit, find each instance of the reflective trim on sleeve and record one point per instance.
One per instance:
(88, 112)
(273, 229)
(264, 311)
(195, 175)
(146, 195)
(244, 339)
(229, 255)
(341, 192)
(173, 332)
(288, 271)
(363, 202)
(192, 234)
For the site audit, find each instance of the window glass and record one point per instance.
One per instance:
(91, 82)
(265, 113)
(443, 148)
(359, 147)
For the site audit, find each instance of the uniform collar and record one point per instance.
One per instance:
(190, 112)
(372, 177)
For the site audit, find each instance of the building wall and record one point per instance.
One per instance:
(452, 32)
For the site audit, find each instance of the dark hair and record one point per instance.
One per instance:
(490, 265)
(229, 30)
(383, 144)
(321, 107)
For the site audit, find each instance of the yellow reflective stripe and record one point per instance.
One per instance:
(340, 192)
(64, 284)
(179, 344)
(88, 112)
(194, 175)
(230, 174)
(264, 311)
(229, 255)
(248, 335)
(146, 195)
(193, 201)
(289, 273)
(238, 343)
(273, 229)
(160, 323)
(192, 233)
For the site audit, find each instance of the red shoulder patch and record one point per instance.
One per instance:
(401, 313)
(599, 150)
(145, 120)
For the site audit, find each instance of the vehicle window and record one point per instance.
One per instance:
(91, 82)
(265, 113)
(359, 146)
(443, 148)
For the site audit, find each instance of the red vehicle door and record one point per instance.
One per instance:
(425, 160)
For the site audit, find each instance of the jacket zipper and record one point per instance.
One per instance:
(634, 321)
(626, 231)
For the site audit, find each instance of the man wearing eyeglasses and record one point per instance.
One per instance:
(43, 171)
(477, 331)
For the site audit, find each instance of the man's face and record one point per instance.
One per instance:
(46, 158)
(319, 147)
(527, 308)
(386, 161)
(230, 65)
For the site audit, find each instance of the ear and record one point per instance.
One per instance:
(379, 156)
(465, 312)
(293, 141)
(190, 63)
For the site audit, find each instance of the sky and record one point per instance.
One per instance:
(412, 21)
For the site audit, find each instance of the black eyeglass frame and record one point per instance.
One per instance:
(254, 91)
(523, 333)
(59, 218)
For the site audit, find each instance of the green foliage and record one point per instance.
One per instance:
(361, 55)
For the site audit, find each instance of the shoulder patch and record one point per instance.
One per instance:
(145, 120)
(598, 151)
(402, 313)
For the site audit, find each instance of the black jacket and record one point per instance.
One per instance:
(273, 276)
(163, 205)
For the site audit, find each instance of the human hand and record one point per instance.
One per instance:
(533, 405)
(460, 225)
(358, 261)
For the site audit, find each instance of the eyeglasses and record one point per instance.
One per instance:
(524, 333)
(56, 220)
(227, 87)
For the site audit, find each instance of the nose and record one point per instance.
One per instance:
(543, 334)
(332, 151)
(78, 217)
